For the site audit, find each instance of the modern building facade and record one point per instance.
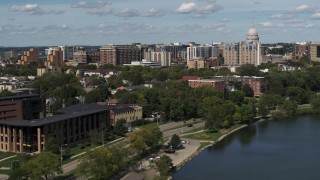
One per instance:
(8, 55)
(80, 56)
(119, 54)
(93, 56)
(164, 58)
(21, 107)
(315, 51)
(72, 126)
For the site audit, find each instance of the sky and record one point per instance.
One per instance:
(99, 22)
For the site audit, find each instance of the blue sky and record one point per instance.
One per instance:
(98, 22)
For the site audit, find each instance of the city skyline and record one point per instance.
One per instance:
(41, 23)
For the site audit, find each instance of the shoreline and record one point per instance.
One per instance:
(192, 155)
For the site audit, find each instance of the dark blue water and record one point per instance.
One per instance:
(270, 150)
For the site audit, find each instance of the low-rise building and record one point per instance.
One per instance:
(127, 112)
(259, 85)
(218, 84)
(71, 126)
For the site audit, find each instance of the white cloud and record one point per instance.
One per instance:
(97, 4)
(187, 8)
(316, 16)
(301, 9)
(153, 12)
(34, 9)
(198, 10)
(101, 11)
(128, 12)
(282, 16)
(267, 24)
(25, 8)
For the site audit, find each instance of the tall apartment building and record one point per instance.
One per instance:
(29, 57)
(54, 57)
(178, 51)
(300, 50)
(11, 55)
(119, 54)
(68, 52)
(203, 51)
(315, 51)
(80, 56)
(248, 52)
(93, 56)
(164, 58)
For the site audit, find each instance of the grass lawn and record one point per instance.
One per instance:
(7, 163)
(194, 130)
(5, 154)
(204, 136)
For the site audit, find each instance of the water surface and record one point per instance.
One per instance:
(270, 150)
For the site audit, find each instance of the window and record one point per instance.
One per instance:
(318, 51)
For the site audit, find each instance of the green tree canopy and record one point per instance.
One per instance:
(5, 93)
(44, 165)
(101, 163)
(164, 165)
(175, 140)
(249, 70)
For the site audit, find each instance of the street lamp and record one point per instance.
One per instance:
(61, 149)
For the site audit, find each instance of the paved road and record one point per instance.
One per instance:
(169, 133)
(168, 130)
(172, 125)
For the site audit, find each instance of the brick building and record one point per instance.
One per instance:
(21, 107)
(29, 57)
(259, 85)
(119, 54)
(218, 84)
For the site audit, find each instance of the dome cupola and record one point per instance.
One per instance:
(252, 36)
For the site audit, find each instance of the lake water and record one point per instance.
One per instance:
(270, 150)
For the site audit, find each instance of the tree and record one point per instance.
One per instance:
(290, 107)
(5, 93)
(120, 129)
(52, 145)
(249, 70)
(164, 165)
(263, 110)
(175, 141)
(101, 163)
(44, 165)
(144, 138)
(297, 94)
(247, 90)
(236, 97)
(246, 113)
(315, 102)
(215, 118)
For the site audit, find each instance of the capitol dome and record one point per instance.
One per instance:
(252, 36)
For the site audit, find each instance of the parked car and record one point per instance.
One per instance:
(170, 150)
